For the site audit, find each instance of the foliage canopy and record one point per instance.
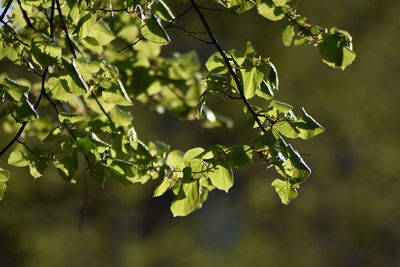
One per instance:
(96, 59)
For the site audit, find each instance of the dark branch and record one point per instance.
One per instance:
(5, 10)
(51, 20)
(70, 44)
(25, 15)
(228, 65)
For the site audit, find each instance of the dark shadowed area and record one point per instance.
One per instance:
(346, 213)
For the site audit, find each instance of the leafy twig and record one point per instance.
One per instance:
(35, 107)
(228, 65)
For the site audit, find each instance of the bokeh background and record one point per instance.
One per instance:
(347, 212)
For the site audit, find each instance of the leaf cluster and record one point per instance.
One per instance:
(94, 60)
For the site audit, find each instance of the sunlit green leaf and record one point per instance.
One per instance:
(336, 48)
(221, 176)
(286, 191)
(187, 199)
(15, 89)
(153, 31)
(70, 117)
(239, 6)
(162, 188)
(162, 10)
(269, 10)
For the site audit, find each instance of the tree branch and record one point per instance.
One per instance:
(70, 44)
(5, 10)
(25, 15)
(53, 3)
(228, 65)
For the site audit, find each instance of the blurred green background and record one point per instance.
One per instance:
(347, 213)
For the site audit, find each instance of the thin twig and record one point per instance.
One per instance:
(14, 33)
(112, 124)
(25, 15)
(33, 152)
(131, 45)
(167, 26)
(71, 45)
(228, 65)
(199, 39)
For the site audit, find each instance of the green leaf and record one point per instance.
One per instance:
(273, 80)
(239, 156)
(252, 79)
(287, 128)
(221, 176)
(162, 11)
(117, 95)
(15, 89)
(336, 48)
(265, 91)
(4, 176)
(67, 167)
(193, 159)
(57, 88)
(187, 199)
(17, 159)
(288, 34)
(216, 64)
(129, 33)
(239, 6)
(293, 167)
(269, 140)
(307, 126)
(87, 68)
(175, 160)
(85, 25)
(37, 167)
(101, 33)
(286, 191)
(3, 188)
(275, 108)
(269, 10)
(75, 83)
(71, 117)
(25, 110)
(162, 188)
(45, 54)
(152, 30)
(125, 171)
(120, 117)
